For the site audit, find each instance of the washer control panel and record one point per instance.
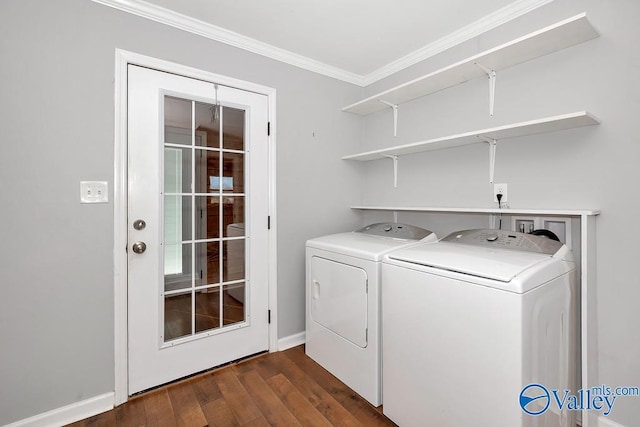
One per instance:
(395, 230)
(505, 240)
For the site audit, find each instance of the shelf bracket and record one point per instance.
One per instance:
(492, 85)
(493, 143)
(395, 168)
(395, 115)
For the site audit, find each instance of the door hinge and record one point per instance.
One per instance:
(269, 316)
(269, 222)
(201, 274)
(268, 128)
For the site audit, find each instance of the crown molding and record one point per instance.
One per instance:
(487, 23)
(167, 17)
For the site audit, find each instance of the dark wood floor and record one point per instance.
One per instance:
(282, 389)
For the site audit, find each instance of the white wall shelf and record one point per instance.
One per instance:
(490, 136)
(504, 211)
(556, 37)
(532, 127)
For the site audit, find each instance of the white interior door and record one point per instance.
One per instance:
(198, 269)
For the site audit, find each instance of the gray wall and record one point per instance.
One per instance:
(57, 109)
(595, 167)
(56, 104)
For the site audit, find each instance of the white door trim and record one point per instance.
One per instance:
(122, 60)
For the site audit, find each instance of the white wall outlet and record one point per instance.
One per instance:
(500, 189)
(94, 192)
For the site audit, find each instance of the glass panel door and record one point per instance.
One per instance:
(204, 218)
(198, 182)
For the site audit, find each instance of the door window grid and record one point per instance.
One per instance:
(219, 192)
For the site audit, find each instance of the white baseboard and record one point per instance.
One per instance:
(70, 413)
(606, 422)
(291, 341)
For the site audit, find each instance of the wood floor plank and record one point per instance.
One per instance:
(329, 407)
(242, 405)
(301, 380)
(131, 414)
(219, 413)
(186, 407)
(298, 405)
(157, 406)
(275, 412)
(263, 365)
(352, 402)
(106, 419)
(205, 388)
(258, 422)
(244, 367)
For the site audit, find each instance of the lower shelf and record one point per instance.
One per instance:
(505, 211)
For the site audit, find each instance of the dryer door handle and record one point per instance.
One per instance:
(316, 289)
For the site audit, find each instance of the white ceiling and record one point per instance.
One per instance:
(359, 38)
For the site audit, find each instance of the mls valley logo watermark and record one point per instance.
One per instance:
(535, 399)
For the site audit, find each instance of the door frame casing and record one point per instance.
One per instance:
(120, 196)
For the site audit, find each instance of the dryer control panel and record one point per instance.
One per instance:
(503, 239)
(395, 230)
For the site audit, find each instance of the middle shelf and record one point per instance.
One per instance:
(532, 127)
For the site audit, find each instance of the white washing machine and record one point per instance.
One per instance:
(343, 301)
(470, 321)
(235, 259)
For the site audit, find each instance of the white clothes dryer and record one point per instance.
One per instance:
(343, 301)
(470, 321)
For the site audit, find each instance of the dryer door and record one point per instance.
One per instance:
(339, 299)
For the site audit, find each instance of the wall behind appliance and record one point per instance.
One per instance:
(57, 109)
(591, 168)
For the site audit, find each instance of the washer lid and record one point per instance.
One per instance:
(503, 239)
(496, 264)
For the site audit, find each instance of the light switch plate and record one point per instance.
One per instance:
(94, 192)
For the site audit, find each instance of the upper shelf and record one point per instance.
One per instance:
(566, 33)
(532, 127)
